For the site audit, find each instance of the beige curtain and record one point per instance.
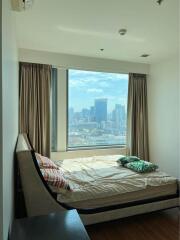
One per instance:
(34, 105)
(137, 124)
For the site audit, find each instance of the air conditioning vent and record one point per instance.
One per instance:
(21, 5)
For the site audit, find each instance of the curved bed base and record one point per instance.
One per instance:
(129, 211)
(39, 199)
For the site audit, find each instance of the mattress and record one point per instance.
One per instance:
(100, 181)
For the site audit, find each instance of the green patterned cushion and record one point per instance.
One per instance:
(141, 166)
(127, 159)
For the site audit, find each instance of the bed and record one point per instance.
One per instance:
(102, 189)
(101, 181)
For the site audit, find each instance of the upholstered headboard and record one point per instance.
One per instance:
(38, 198)
(23, 143)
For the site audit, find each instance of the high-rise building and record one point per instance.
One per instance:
(101, 110)
(119, 117)
(92, 114)
(85, 114)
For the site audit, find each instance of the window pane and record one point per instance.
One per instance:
(97, 108)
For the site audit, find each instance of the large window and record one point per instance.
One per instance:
(97, 109)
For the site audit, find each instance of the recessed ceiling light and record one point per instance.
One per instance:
(122, 31)
(145, 55)
(159, 1)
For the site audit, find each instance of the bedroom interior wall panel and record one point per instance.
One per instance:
(163, 110)
(9, 116)
(81, 62)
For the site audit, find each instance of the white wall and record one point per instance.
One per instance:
(163, 112)
(9, 116)
(80, 62)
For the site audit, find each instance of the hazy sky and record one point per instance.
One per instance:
(85, 86)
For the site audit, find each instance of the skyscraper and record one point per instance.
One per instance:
(85, 114)
(92, 114)
(101, 110)
(119, 117)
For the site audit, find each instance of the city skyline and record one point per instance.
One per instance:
(94, 126)
(97, 105)
(92, 108)
(85, 86)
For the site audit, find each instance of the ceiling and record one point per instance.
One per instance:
(83, 27)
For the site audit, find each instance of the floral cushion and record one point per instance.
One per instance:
(45, 162)
(141, 166)
(55, 178)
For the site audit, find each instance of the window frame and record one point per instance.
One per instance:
(62, 117)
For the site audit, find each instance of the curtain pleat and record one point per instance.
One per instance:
(34, 105)
(137, 123)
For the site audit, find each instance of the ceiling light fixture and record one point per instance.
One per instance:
(122, 31)
(159, 1)
(145, 55)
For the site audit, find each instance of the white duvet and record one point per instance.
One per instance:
(102, 176)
